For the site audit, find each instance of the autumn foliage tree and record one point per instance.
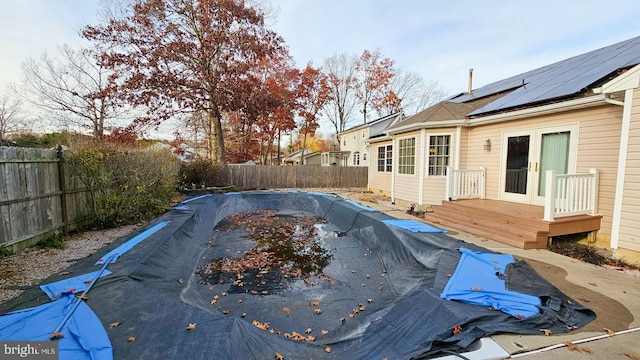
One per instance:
(186, 56)
(312, 93)
(372, 86)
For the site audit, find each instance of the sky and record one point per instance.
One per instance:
(440, 40)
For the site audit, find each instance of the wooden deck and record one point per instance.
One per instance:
(514, 224)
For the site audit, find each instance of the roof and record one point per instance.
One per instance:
(384, 119)
(566, 78)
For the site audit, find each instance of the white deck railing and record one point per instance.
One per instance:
(570, 194)
(465, 184)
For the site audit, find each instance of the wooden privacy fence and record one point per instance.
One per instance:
(38, 198)
(295, 176)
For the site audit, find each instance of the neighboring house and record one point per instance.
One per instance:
(327, 158)
(4, 142)
(561, 142)
(295, 157)
(355, 141)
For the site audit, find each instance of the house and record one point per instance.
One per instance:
(295, 157)
(549, 152)
(354, 142)
(327, 158)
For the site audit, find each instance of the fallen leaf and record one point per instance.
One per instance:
(449, 275)
(593, 284)
(279, 356)
(239, 301)
(609, 331)
(191, 326)
(351, 316)
(368, 276)
(286, 310)
(342, 320)
(314, 303)
(572, 346)
(369, 301)
(632, 356)
(327, 349)
(180, 281)
(477, 288)
(244, 314)
(114, 325)
(457, 329)
(569, 302)
(324, 332)
(587, 350)
(547, 332)
(65, 273)
(56, 335)
(225, 312)
(318, 311)
(223, 293)
(308, 331)
(82, 297)
(131, 339)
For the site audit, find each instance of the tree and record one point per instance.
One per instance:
(414, 92)
(340, 70)
(10, 121)
(75, 85)
(312, 93)
(372, 84)
(186, 56)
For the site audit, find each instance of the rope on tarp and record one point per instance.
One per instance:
(56, 334)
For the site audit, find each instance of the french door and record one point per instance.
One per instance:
(528, 154)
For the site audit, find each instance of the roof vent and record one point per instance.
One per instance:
(470, 81)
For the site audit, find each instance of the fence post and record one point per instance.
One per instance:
(63, 190)
(550, 196)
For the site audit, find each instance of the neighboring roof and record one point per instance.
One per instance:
(378, 128)
(385, 119)
(562, 79)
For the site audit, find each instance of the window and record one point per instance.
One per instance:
(439, 148)
(407, 156)
(364, 157)
(356, 158)
(385, 160)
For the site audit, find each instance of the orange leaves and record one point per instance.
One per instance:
(609, 331)
(457, 329)
(314, 303)
(191, 326)
(327, 349)
(317, 311)
(114, 325)
(131, 339)
(547, 332)
(279, 356)
(56, 335)
(593, 284)
(259, 325)
(286, 310)
(299, 337)
(574, 347)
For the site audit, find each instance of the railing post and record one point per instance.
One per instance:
(594, 190)
(482, 182)
(550, 195)
(448, 187)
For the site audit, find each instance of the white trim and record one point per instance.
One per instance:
(427, 153)
(397, 150)
(457, 153)
(630, 79)
(540, 110)
(422, 166)
(393, 169)
(622, 167)
(426, 125)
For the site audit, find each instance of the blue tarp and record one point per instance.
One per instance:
(75, 284)
(195, 198)
(360, 205)
(84, 336)
(477, 280)
(413, 226)
(117, 252)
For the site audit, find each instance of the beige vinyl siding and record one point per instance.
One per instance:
(407, 185)
(629, 237)
(379, 182)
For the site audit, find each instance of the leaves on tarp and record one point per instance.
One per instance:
(131, 339)
(114, 325)
(327, 349)
(546, 332)
(279, 356)
(191, 326)
(56, 335)
(457, 329)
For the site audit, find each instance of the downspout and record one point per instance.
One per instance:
(622, 167)
(421, 164)
(393, 168)
(456, 157)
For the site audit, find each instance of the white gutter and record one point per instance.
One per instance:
(426, 125)
(540, 110)
(622, 168)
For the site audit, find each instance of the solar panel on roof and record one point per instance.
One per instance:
(563, 78)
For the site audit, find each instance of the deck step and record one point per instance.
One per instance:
(503, 231)
(514, 224)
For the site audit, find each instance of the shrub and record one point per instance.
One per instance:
(125, 184)
(199, 172)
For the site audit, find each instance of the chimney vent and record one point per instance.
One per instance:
(470, 81)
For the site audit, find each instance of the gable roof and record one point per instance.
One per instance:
(566, 78)
(383, 120)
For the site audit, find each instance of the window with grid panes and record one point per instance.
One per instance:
(439, 154)
(407, 156)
